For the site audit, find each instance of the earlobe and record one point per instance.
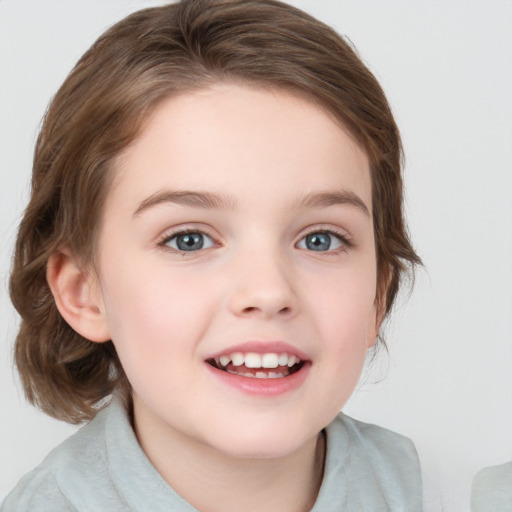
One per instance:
(77, 297)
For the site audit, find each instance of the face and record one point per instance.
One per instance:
(237, 270)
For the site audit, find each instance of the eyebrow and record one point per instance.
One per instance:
(188, 198)
(209, 200)
(326, 199)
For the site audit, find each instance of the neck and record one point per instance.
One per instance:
(213, 481)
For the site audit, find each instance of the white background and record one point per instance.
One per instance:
(447, 69)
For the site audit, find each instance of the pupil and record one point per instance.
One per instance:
(318, 242)
(190, 242)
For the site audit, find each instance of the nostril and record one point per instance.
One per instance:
(282, 311)
(265, 304)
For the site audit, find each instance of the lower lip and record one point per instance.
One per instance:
(262, 387)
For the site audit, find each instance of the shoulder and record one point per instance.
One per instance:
(492, 489)
(37, 491)
(73, 473)
(388, 447)
(377, 465)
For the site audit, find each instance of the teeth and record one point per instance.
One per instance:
(292, 360)
(269, 361)
(283, 360)
(224, 360)
(237, 359)
(254, 360)
(259, 375)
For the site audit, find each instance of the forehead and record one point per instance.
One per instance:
(236, 139)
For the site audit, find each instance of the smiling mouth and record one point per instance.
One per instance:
(258, 366)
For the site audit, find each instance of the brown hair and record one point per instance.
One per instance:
(100, 110)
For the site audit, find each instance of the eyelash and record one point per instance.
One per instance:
(346, 242)
(167, 237)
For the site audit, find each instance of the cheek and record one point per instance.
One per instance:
(344, 310)
(345, 323)
(153, 311)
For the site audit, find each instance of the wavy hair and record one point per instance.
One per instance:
(101, 108)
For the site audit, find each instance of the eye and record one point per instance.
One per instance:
(322, 241)
(188, 241)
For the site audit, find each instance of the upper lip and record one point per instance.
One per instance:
(262, 347)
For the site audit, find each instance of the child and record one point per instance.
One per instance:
(214, 238)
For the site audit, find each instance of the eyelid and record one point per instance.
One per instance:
(170, 233)
(342, 234)
(325, 228)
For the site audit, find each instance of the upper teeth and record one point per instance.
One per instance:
(254, 360)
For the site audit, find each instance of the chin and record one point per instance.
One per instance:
(262, 445)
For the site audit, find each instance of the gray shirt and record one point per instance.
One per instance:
(492, 489)
(103, 468)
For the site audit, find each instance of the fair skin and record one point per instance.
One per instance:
(238, 233)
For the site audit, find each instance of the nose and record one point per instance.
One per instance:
(263, 287)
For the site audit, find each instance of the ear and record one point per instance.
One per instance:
(77, 296)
